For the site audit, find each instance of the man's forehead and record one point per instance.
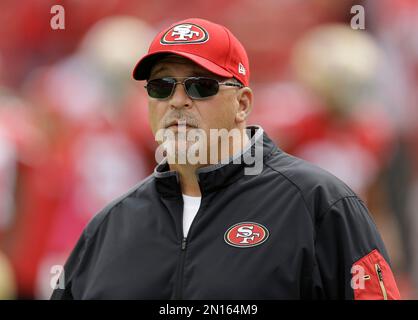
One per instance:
(173, 62)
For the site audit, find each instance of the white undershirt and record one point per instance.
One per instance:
(191, 206)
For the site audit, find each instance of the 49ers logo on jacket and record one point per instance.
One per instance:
(185, 33)
(246, 234)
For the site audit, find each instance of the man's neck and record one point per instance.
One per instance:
(187, 172)
(188, 180)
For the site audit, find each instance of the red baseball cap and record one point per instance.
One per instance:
(208, 44)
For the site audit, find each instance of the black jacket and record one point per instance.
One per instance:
(311, 229)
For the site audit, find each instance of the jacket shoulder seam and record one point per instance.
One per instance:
(299, 190)
(322, 215)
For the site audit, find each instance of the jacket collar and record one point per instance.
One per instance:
(217, 176)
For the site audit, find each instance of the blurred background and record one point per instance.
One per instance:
(73, 123)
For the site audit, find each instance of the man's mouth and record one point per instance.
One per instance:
(179, 124)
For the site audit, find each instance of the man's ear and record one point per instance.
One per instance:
(245, 104)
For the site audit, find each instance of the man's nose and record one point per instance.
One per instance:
(179, 98)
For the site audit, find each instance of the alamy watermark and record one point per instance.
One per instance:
(57, 21)
(57, 280)
(359, 277)
(188, 145)
(358, 21)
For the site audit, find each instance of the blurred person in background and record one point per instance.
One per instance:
(89, 156)
(355, 138)
(395, 25)
(85, 95)
(21, 147)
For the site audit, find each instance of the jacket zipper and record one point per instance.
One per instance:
(380, 277)
(179, 291)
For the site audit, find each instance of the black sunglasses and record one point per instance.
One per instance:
(196, 87)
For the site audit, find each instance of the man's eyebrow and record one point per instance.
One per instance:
(206, 74)
(158, 70)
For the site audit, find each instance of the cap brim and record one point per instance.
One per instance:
(143, 67)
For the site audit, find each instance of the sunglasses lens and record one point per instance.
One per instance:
(199, 88)
(160, 88)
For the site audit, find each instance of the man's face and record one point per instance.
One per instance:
(215, 112)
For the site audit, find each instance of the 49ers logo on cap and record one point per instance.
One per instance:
(185, 33)
(246, 234)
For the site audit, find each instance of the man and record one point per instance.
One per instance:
(246, 222)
